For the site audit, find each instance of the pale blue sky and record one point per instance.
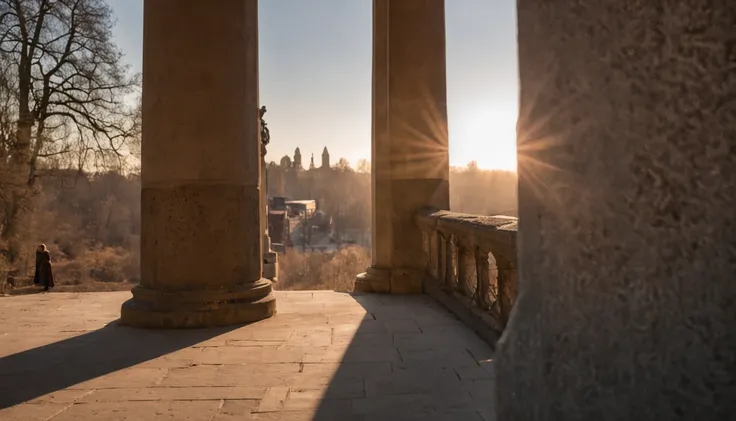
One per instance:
(315, 61)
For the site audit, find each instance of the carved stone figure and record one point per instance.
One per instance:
(265, 134)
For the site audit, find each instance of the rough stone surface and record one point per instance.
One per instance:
(326, 356)
(410, 139)
(627, 228)
(184, 246)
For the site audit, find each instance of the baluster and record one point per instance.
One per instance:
(427, 250)
(482, 269)
(439, 255)
(441, 259)
(466, 282)
(449, 284)
(507, 290)
(462, 271)
(433, 255)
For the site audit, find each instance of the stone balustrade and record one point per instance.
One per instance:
(471, 266)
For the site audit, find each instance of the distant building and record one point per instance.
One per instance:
(291, 179)
(303, 208)
(298, 160)
(325, 159)
(356, 236)
(278, 228)
(286, 162)
(278, 203)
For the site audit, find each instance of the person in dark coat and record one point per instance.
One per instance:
(44, 276)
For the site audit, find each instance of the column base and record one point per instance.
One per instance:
(271, 266)
(374, 280)
(197, 309)
(390, 281)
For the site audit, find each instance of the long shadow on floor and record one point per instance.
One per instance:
(39, 371)
(357, 358)
(407, 359)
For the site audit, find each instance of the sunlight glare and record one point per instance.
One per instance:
(487, 137)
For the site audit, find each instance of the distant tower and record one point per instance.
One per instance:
(325, 158)
(286, 162)
(298, 159)
(311, 163)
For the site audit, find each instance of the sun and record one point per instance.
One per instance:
(487, 137)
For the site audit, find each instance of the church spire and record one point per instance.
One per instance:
(325, 158)
(298, 159)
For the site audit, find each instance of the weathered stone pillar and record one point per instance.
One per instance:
(410, 142)
(270, 257)
(201, 237)
(627, 216)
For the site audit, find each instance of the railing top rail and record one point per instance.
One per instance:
(487, 232)
(432, 218)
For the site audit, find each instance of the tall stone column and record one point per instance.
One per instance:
(201, 163)
(270, 257)
(409, 142)
(627, 174)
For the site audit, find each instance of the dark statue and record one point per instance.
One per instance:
(265, 134)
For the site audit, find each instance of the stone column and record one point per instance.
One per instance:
(410, 142)
(270, 257)
(627, 221)
(201, 237)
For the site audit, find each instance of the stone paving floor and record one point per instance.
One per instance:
(325, 356)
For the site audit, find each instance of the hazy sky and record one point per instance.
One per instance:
(315, 61)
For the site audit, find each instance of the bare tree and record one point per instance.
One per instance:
(343, 165)
(472, 166)
(363, 166)
(70, 89)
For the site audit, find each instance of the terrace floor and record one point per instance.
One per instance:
(325, 356)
